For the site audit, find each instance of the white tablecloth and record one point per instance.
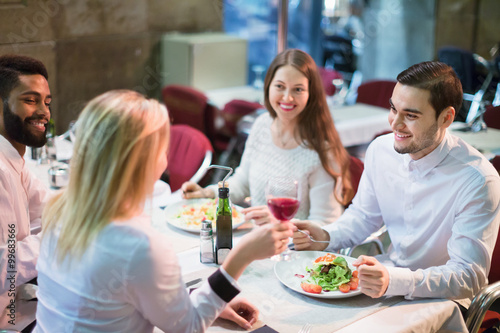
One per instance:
(359, 123)
(487, 142)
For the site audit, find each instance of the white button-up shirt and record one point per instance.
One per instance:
(442, 213)
(22, 197)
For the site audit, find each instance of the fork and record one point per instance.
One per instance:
(312, 239)
(305, 329)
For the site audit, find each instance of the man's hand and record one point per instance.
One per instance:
(242, 312)
(302, 242)
(373, 276)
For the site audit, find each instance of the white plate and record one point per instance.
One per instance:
(285, 272)
(172, 211)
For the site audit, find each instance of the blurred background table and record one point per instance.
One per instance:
(487, 142)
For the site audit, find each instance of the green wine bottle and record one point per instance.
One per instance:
(224, 225)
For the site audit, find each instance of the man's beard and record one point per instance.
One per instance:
(19, 131)
(415, 147)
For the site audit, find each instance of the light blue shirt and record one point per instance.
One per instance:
(441, 212)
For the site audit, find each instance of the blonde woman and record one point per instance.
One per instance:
(101, 266)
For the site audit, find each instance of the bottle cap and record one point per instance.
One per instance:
(206, 228)
(223, 192)
(206, 224)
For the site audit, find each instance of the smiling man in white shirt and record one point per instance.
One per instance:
(24, 114)
(438, 197)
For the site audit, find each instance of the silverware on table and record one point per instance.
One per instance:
(193, 282)
(312, 239)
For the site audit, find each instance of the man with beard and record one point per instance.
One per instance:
(438, 197)
(24, 114)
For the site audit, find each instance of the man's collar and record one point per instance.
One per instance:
(431, 160)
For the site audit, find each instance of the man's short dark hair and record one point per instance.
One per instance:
(12, 66)
(439, 79)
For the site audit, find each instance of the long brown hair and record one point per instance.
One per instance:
(315, 126)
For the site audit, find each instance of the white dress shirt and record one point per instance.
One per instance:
(22, 197)
(128, 280)
(442, 213)
(262, 159)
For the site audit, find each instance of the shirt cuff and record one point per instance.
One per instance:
(400, 282)
(222, 286)
(330, 247)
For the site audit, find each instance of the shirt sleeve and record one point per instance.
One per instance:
(25, 250)
(325, 208)
(38, 194)
(470, 248)
(159, 293)
(362, 218)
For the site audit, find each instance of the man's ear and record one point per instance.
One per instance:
(447, 117)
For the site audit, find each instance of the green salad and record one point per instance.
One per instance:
(329, 272)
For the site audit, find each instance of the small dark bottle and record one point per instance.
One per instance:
(224, 227)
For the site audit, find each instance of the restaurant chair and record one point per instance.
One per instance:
(496, 162)
(189, 155)
(189, 106)
(233, 111)
(492, 116)
(338, 51)
(327, 77)
(376, 92)
(356, 168)
(484, 311)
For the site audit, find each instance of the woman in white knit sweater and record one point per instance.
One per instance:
(296, 138)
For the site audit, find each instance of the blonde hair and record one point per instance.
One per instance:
(119, 137)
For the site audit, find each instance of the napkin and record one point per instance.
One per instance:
(264, 329)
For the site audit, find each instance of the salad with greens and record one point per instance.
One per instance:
(329, 273)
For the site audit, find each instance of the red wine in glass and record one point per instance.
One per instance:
(282, 195)
(284, 209)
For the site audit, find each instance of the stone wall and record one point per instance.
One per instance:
(91, 46)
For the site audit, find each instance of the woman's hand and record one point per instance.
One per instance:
(260, 243)
(266, 241)
(191, 190)
(303, 242)
(242, 312)
(260, 214)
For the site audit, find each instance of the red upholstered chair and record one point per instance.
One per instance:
(484, 311)
(233, 111)
(189, 106)
(327, 77)
(496, 162)
(376, 93)
(189, 155)
(356, 168)
(492, 117)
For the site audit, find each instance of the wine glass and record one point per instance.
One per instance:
(282, 196)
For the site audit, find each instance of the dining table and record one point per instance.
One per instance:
(284, 309)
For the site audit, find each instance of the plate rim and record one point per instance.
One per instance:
(324, 295)
(169, 208)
